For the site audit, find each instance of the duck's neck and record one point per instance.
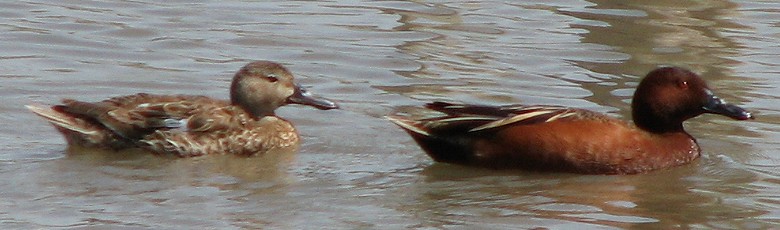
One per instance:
(255, 111)
(257, 107)
(655, 126)
(655, 122)
(259, 112)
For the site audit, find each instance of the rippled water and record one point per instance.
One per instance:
(354, 169)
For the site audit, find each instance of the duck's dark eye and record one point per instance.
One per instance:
(272, 78)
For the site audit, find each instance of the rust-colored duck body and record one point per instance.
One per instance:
(555, 138)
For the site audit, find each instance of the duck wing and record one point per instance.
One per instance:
(464, 118)
(134, 116)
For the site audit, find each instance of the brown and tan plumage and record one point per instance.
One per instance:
(186, 125)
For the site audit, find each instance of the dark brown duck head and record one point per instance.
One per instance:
(261, 87)
(667, 96)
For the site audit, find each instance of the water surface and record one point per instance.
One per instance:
(355, 170)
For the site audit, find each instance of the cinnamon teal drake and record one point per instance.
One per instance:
(186, 125)
(555, 138)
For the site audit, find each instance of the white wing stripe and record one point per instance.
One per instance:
(559, 116)
(510, 120)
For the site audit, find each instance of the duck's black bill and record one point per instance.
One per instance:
(301, 96)
(719, 106)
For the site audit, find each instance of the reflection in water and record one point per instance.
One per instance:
(470, 196)
(271, 166)
(153, 189)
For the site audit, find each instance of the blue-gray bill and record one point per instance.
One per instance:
(301, 96)
(719, 106)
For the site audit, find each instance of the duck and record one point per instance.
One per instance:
(190, 125)
(571, 140)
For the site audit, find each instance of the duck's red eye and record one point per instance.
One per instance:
(272, 78)
(683, 84)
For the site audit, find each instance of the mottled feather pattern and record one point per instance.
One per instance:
(208, 126)
(218, 118)
(250, 139)
(212, 126)
(148, 110)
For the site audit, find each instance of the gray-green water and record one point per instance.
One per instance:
(356, 170)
